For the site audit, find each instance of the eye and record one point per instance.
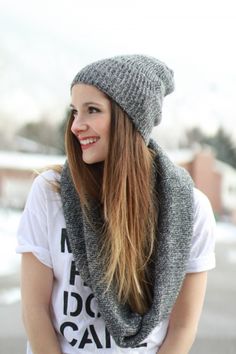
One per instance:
(73, 112)
(92, 109)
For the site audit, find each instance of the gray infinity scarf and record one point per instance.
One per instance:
(175, 226)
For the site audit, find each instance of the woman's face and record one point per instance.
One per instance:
(92, 119)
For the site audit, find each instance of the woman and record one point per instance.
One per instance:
(116, 244)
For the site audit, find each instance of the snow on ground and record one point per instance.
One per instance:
(225, 232)
(9, 260)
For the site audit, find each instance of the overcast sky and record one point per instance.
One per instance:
(44, 43)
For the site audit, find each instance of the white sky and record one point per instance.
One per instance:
(44, 43)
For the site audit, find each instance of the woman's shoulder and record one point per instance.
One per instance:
(202, 256)
(45, 187)
(47, 179)
(51, 174)
(204, 219)
(202, 205)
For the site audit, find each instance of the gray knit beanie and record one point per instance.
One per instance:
(137, 83)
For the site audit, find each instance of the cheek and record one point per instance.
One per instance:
(106, 128)
(73, 128)
(107, 131)
(101, 127)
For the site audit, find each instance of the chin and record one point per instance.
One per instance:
(92, 161)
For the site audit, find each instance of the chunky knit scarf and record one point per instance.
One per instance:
(175, 191)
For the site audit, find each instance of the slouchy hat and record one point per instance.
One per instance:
(137, 83)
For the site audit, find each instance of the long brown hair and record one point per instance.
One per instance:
(123, 185)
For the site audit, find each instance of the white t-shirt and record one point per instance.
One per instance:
(75, 313)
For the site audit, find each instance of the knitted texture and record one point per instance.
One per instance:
(137, 83)
(174, 188)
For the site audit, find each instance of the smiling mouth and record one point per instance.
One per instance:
(85, 144)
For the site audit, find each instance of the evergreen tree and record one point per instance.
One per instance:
(221, 143)
(193, 136)
(223, 146)
(62, 130)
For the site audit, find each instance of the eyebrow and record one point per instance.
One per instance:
(87, 104)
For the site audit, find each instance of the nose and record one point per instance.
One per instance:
(78, 125)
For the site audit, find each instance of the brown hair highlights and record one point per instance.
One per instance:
(123, 184)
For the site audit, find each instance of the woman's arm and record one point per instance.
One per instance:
(36, 288)
(185, 315)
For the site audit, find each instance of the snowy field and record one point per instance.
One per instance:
(9, 260)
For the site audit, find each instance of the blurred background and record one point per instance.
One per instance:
(43, 44)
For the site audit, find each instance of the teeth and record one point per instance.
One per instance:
(88, 141)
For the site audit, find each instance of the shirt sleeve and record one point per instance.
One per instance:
(32, 234)
(202, 253)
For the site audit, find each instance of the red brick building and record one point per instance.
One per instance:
(16, 175)
(203, 171)
(214, 178)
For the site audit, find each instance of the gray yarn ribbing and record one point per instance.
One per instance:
(175, 193)
(137, 83)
